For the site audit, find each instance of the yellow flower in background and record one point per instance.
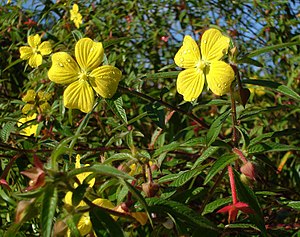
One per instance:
(36, 101)
(35, 51)
(8, 2)
(31, 129)
(76, 17)
(205, 65)
(84, 76)
(81, 177)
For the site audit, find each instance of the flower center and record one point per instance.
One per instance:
(83, 76)
(201, 65)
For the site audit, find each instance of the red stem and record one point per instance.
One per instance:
(232, 184)
(240, 154)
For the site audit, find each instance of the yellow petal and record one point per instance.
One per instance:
(104, 203)
(219, 77)
(35, 60)
(89, 54)
(68, 198)
(188, 55)
(29, 96)
(34, 40)
(84, 224)
(190, 83)
(31, 129)
(75, 8)
(64, 69)
(105, 80)
(213, 45)
(79, 95)
(141, 217)
(45, 48)
(25, 52)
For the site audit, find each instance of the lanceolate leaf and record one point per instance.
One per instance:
(246, 195)
(211, 207)
(48, 209)
(207, 153)
(116, 106)
(276, 86)
(103, 222)
(219, 165)
(271, 147)
(100, 169)
(271, 48)
(264, 136)
(180, 212)
(215, 128)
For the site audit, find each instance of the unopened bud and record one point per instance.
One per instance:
(248, 169)
(150, 189)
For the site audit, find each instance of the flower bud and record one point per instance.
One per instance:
(248, 169)
(150, 189)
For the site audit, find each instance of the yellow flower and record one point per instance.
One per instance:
(198, 66)
(31, 129)
(8, 2)
(76, 17)
(35, 50)
(86, 75)
(81, 177)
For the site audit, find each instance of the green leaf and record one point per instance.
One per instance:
(245, 136)
(271, 48)
(276, 86)
(180, 212)
(160, 75)
(270, 147)
(6, 130)
(156, 112)
(168, 178)
(48, 209)
(211, 207)
(207, 153)
(242, 226)
(169, 147)
(79, 193)
(118, 157)
(185, 176)
(294, 204)
(219, 165)
(215, 128)
(265, 136)
(102, 221)
(100, 169)
(116, 105)
(246, 195)
(249, 61)
(139, 197)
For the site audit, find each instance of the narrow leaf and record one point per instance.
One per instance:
(271, 147)
(116, 105)
(246, 195)
(271, 48)
(101, 218)
(211, 207)
(48, 209)
(207, 153)
(219, 165)
(215, 128)
(100, 169)
(276, 86)
(180, 212)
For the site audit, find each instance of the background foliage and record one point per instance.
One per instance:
(185, 145)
